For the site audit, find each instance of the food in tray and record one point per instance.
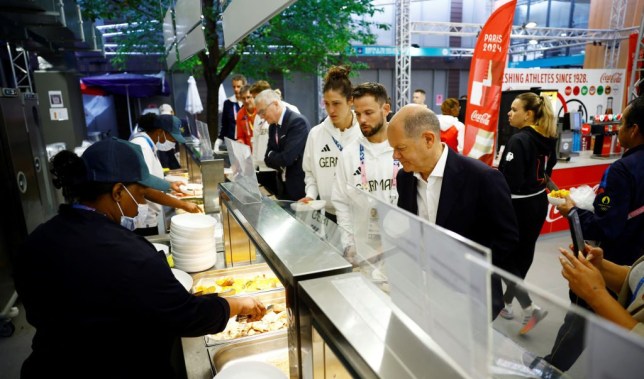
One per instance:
(229, 286)
(559, 193)
(558, 197)
(276, 318)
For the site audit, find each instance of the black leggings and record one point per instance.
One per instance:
(531, 214)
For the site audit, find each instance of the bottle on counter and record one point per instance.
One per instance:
(609, 105)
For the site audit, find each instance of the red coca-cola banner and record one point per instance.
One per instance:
(486, 78)
(633, 39)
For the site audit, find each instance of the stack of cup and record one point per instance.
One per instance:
(192, 237)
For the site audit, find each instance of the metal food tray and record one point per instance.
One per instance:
(271, 349)
(237, 272)
(267, 298)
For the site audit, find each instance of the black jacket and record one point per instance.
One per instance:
(104, 302)
(528, 155)
(288, 150)
(615, 222)
(229, 120)
(474, 202)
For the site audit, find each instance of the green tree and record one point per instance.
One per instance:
(309, 36)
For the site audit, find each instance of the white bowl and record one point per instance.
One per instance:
(192, 221)
(195, 265)
(248, 369)
(197, 258)
(556, 200)
(184, 278)
(312, 205)
(196, 243)
(196, 234)
(181, 252)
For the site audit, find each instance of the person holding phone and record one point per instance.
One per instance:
(617, 223)
(591, 277)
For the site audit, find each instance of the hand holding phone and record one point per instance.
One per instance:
(575, 231)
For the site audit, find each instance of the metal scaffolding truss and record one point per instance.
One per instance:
(617, 15)
(403, 53)
(525, 39)
(20, 68)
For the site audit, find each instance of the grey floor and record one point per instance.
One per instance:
(545, 273)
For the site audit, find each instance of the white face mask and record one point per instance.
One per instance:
(165, 146)
(137, 221)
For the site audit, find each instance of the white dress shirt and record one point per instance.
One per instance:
(428, 192)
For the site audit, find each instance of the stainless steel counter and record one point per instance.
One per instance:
(292, 250)
(366, 332)
(584, 159)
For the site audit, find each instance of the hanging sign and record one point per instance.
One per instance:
(484, 87)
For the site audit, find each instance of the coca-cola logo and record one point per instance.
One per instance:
(553, 214)
(611, 78)
(481, 118)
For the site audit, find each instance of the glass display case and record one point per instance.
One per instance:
(414, 301)
(208, 172)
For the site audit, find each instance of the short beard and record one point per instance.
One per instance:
(374, 130)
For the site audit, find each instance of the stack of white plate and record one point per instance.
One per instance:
(192, 237)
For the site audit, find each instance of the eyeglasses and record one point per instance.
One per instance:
(262, 112)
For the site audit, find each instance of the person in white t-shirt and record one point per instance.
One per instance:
(367, 163)
(327, 140)
(156, 134)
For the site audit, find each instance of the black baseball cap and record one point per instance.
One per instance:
(172, 125)
(113, 160)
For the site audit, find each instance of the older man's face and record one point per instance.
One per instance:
(413, 153)
(270, 112)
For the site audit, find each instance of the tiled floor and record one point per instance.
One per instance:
(545, 273)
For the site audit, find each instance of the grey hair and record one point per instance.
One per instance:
(421, 120)
(267, 96)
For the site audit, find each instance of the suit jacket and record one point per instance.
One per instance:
(228, 120)
(287, 149)
(475, 202)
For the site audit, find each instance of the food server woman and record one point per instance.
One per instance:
(104, 303)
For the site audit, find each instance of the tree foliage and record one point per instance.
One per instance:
(309, 36)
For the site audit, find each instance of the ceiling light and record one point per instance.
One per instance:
(533, 42)
(531, 24)
(564, 34)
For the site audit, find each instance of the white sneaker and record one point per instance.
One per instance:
(531, 319)
(507, 313)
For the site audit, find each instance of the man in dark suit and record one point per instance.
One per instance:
(287, 135)
(231, 107)
(458, 193)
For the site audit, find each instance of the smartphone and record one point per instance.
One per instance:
(575, 231)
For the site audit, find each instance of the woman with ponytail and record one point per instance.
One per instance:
(326, 140)
(527, 162)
